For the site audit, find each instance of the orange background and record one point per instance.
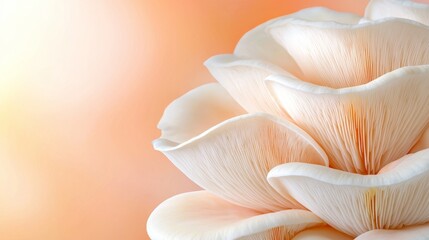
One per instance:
(82, 87)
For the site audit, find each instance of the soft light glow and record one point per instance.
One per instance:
(82, 86)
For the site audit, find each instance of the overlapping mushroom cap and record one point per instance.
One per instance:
(317, 129)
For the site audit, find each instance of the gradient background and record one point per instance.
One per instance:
(82, 87)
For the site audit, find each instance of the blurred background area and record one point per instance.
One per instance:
(82, 87)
